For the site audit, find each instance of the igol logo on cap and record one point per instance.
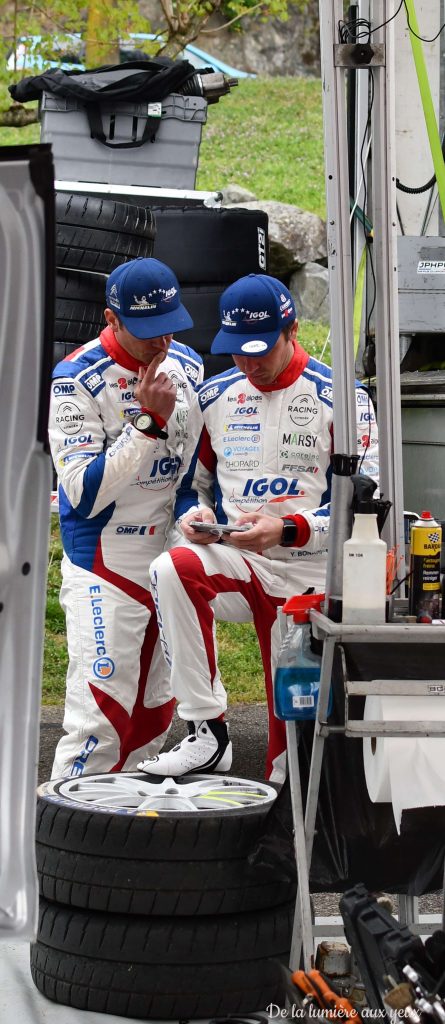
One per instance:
(253, 346)
(260, 314)
(230, 317)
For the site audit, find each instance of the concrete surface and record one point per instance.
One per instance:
(248, 730)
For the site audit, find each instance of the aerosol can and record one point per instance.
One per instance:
(424, 581)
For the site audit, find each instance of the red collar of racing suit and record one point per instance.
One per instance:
(120, 355)
(290, 374)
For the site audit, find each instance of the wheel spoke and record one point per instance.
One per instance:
(140, 794)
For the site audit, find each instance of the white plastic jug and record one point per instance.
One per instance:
(364, 573)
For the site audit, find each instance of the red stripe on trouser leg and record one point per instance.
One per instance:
(134, 590)
(144, 724)
(277, 729)
(264, 611)
(201, 589)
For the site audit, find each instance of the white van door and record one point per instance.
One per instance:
(27, 247)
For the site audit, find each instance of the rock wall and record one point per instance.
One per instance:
(271, 47)
(297, 250)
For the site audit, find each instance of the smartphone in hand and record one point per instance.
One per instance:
(219, 528)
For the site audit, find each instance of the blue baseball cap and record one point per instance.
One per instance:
(145, 295)
(253, 312)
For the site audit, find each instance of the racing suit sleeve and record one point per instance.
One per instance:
(313, 525)
(91, 474)
(196, 484)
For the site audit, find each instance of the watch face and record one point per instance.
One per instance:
(143, 421)
(289, 534)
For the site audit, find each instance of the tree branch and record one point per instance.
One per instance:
(172, 22)
(248, 10)
(17, 116)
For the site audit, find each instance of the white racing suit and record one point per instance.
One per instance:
(257, 450)
(115, 497)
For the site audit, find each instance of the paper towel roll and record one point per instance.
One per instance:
(409, 771)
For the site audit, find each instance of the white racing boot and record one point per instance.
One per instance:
(205, 749)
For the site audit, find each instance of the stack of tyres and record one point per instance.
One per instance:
(208, 249)
(93, 236)
(156, 910)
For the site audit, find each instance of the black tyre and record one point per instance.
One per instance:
(80, 304)
(205, 245)
(213, 365)
(161, 968)
(81, 286)
(63, 349)
(178, 862)
(100, 234)
(138, 815)
(163, 888)
(202, 302)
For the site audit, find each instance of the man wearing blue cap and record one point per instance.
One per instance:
(117, 429)
(262, 433)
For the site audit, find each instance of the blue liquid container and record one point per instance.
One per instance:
(297, 676)
(296, 692)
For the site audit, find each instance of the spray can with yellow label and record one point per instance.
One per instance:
(424, 581)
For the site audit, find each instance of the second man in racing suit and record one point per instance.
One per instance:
(117, 469)
(263, 442)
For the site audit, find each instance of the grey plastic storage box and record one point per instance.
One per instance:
(170, 161)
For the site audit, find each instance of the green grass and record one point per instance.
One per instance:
(55, 658)
(20, 136)
(268, 136)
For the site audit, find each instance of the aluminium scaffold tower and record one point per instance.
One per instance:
(378, 61)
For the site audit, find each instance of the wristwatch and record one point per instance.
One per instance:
(289, 534)
(148, 426)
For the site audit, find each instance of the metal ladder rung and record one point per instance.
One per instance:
(396, 688)
(379, 728)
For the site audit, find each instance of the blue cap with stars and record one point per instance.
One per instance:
(145, 295)
(253, 312)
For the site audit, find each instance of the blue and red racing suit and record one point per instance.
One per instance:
(261, 450)
(116, 490)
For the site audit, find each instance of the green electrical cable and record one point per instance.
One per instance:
(427, 103)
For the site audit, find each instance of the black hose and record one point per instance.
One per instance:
(422, 188)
